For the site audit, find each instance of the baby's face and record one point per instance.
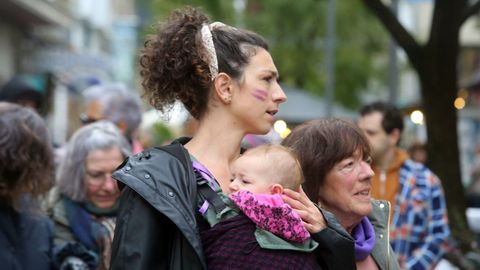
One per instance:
(253, 174)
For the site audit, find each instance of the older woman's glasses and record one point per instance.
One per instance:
(98, 178)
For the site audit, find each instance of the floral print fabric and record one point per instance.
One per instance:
(270, 213)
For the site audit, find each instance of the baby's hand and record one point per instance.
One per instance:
(306, 209)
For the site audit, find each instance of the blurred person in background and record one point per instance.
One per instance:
(118, 104)
(26, 173)
(420, 231)
(85, 202)
(20, 91)
(418, 152)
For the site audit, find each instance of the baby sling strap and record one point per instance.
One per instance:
(203, 177)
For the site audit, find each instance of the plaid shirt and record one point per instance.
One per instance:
(420, 231)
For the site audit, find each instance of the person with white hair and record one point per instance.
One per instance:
(117, 103)
(84, 203)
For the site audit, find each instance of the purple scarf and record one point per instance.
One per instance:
(364, 236)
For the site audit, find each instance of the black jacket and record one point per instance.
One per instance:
(156, 224)
(26, 240)
(336, 248)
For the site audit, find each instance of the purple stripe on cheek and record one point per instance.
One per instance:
(260, 94)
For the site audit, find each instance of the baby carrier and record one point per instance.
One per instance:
(231, 243)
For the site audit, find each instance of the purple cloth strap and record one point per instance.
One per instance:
(364, 236)
(207, 175)
(204, 207)
(199, 167)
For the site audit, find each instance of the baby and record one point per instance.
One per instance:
(258, 179)
(256, 227)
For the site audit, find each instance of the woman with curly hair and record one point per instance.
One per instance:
(226, 78)
(26, 173)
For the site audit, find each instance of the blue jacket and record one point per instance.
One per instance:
(420, 231)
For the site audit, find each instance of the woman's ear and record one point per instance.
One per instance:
(276, 189)
(223, 87)
(319, 203)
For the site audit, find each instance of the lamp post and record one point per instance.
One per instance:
(393, 63)
(330, 58)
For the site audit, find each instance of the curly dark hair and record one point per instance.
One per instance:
(26, 155)
(173, 63)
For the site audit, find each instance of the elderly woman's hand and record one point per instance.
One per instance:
(306, 209)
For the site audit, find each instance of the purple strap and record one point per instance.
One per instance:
(364, 236)
(207, 175)
(204, 207)
(204, 172)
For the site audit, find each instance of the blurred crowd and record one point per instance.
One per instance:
(59, 202)
(365, 202)
(62, 200)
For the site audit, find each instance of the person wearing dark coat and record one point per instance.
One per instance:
(226, 78)
(26, 172)
(20, 91)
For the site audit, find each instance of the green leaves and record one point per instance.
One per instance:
(296, 31)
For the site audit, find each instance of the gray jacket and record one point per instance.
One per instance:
(382, 252)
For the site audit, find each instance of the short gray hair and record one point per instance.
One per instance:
(118, 103)
(100, 135)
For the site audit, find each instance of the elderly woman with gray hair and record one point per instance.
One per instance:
(84, 203)
(117, 103)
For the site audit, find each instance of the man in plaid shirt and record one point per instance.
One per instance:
(419, 225)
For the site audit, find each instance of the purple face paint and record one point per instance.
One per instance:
(260, 94)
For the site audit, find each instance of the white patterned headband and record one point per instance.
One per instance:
(207, 42)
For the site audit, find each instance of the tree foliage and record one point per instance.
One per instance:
(296, 33)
